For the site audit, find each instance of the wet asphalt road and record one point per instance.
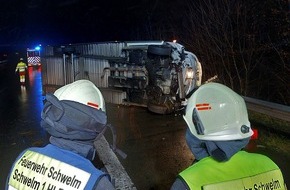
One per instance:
(154, 144)
(156, 147)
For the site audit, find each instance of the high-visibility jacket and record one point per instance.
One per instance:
(21, 66)
(52, 168)
(244, 171)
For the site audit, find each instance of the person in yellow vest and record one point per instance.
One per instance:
(218, 130)
(21, 68)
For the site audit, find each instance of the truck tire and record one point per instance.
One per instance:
(162, 50)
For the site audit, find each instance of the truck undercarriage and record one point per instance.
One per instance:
(157, 75)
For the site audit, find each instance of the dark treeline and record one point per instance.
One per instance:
(245, 43)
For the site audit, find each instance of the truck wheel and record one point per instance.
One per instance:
(159, 50)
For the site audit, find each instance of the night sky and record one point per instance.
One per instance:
(28, 22)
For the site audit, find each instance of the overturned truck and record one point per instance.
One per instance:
(156, 74)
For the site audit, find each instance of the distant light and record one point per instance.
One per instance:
(37, 48)
(189, 74)
(174, 41)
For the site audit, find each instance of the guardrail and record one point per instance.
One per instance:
(278, 111)
(3, 61)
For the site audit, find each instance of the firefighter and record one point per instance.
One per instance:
(218, 130)
(74, 116)
(21, 67)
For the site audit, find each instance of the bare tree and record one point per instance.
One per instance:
(243, 42)
(221, 33)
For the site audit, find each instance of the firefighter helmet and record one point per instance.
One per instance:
(215, 112)
(21, 59)
(84, 92)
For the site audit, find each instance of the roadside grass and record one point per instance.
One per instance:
(273, 132)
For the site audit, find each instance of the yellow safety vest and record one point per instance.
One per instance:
(21, 66)
(244, 171)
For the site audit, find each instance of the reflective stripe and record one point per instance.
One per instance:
(204, 106)
(11, 188)
(37, 171)
(241, 166)
(271, 180)
(33, 60)
(93, 105)
(21, 67)
(57, 165)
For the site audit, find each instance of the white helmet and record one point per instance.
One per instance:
(84, 92)
(215, 112)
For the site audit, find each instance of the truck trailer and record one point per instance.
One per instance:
(156, 74)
